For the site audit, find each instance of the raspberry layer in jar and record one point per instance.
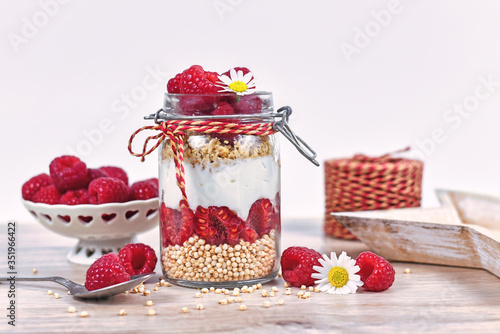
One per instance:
(227, 234)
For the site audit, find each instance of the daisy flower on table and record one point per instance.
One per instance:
(337, 276)
(237, 82)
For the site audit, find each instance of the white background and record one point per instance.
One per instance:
(68, 66)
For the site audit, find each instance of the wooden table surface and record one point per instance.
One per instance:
(428, 299)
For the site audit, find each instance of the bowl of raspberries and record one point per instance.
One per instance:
(95, 205)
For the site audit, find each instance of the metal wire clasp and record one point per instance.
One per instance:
(283, 127)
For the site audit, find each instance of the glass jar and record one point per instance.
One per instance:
(219, 191)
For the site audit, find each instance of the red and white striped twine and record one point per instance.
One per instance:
(176, 130)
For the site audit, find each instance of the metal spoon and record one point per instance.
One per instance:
(79, 290)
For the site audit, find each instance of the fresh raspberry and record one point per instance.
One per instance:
(223, 108)
(249, 235)
(95, 173)
(197, 104)
(174, 84)
(116, 172)
(262, 216)
(376, 273)
(142, 190)
(176, 225)
(212, 76)
(154, 181)
(297, 265)
(30, 187)
(105, 271)
(48, 195)
(75, 197)
(69, 173)
(107, 190)
(193, 81)
(217, 225)
(138, 259)
(247, 104)
(243, 69)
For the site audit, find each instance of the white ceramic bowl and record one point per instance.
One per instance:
(100, 228)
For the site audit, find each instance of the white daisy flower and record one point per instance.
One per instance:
(337, 276)
(237, 83)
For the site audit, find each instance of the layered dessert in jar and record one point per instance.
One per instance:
(220, 192)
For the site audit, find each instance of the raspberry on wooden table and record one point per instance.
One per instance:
(297, 265)
(108, 190)
(105, 271)
(376, 273)
(69, 173)
(34, 184)
(138, 259)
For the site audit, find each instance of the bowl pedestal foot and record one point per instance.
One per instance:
(85, 252)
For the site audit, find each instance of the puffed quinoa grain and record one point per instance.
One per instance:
(281, 302)
(35, 271)
(267, 304)
(57, 296)
(84, 314)
(198, 295)
(151, 312)
(243, 261)
(303, 287)
(149, 303)
(122, 312)
(71, 309)
(223, 301)
(243, 307)
(49, 292)
(184, 310)
(199, 307)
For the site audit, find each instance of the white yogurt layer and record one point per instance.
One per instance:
(236, 185)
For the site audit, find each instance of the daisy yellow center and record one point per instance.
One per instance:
(338, 277)
(238, 86)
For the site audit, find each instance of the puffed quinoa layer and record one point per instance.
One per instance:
(196, 260)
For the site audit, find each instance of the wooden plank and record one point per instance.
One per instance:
(429, 299)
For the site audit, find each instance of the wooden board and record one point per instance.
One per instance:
(429, 299)
(464, 231)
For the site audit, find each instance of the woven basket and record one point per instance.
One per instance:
(366, 183)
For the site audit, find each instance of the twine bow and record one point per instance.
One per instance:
(176, 130)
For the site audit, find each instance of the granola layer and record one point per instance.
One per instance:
(213, 151)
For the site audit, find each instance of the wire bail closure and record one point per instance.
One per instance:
(280, 124)
(283, 127)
